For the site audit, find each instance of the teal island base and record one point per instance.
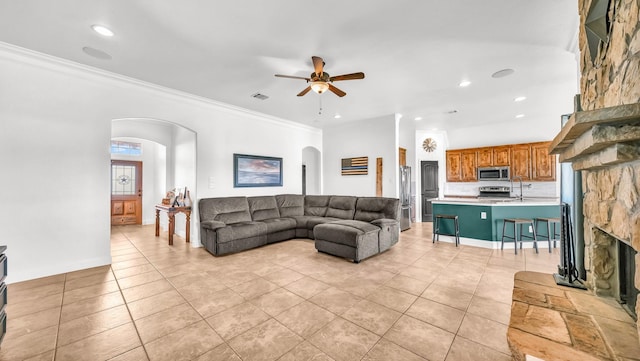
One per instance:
(481, 220)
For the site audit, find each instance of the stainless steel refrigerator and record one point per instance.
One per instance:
(405, 197)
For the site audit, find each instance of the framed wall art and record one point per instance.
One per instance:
(256, 171)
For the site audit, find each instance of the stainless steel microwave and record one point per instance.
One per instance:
(494, 174)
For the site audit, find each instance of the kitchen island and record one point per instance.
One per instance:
(481, 219)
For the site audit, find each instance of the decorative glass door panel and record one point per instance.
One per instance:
(126, 192)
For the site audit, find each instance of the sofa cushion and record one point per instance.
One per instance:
(263, 207)
(228, 210)
(290, 205)
(237, 231)
(347, 232)
(343, 207)
(279, 224)
(372, 208)
(316, 205)
(308, 222)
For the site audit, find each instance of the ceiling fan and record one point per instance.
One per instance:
(321, 81)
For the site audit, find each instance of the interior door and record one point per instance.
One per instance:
(126, 192)
(429, 176)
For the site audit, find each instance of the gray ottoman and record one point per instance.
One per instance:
(350, 239)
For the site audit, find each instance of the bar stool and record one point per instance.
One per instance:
(436, 227)
(520, 222)
(555, 234)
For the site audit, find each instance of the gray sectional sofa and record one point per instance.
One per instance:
(344, 226)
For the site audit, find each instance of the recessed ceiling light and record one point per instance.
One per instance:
(434, 129)
(519, 99)
(102, 30)
(464, 83)
(99, 54)
(337, 116)
(502, 73)
(417, 118)
(520, 116)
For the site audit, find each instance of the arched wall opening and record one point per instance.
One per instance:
(311, 159)
(170, 164)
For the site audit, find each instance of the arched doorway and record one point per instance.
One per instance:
(169, 162)
(312, 171)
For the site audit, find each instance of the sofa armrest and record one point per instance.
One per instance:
(384, 222)
(212, 225)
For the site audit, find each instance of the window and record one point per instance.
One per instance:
(125, 148)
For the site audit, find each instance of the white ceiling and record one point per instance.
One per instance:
(413, 52)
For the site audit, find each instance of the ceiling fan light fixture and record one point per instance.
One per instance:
(319, 86)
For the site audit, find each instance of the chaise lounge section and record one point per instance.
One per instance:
(351, 227)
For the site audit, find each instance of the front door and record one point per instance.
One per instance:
(429, 188)
(126, 192)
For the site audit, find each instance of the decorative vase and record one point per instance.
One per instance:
(187, 199)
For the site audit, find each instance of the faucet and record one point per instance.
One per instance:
(520, 179)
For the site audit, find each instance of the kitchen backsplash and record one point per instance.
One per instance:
(529, 189)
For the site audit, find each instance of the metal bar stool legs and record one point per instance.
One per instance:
(518, 222)
(549, 236)
(437, 219)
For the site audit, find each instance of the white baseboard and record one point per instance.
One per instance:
(56, 269)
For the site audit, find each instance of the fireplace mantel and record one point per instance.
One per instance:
(600, 138)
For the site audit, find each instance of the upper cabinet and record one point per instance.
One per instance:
(544, 164)
(521, 161)
(485, 157)
(531, 161)
(469, 165)
(501, 155)
(454, 166)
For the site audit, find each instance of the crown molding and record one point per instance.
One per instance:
(36, 58)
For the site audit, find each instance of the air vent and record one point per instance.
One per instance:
(260, 96)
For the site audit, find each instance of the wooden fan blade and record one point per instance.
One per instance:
(352, 76)
(292, 77)
(318, 64)
(305, 91)
(337, 91)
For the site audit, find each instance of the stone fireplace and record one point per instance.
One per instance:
(612, 230)
(608, 149)
(602, 141)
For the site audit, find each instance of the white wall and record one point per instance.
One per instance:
(372, 138)
(55, 129)
(514, 132)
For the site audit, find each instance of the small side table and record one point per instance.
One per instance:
(171, 212)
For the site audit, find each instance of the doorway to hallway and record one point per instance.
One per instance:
(429, 184)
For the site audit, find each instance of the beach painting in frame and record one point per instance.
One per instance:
(256, 171)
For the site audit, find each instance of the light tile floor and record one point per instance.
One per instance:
(417, 301)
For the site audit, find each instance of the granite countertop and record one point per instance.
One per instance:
(488, 201)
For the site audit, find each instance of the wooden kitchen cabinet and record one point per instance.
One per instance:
(521, 161)
(543, 163)
(501, 155)
(531, 161)
(485, 157)
(454, 165)
(469, 165)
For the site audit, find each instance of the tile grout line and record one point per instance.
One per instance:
(55, 345)
(125, 300)
(181, 295)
